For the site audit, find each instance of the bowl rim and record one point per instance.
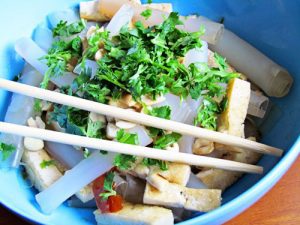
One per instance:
(231, 208)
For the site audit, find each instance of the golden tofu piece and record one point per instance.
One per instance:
(231, 121)
(174, 195)
(177, 173)
(136, 215)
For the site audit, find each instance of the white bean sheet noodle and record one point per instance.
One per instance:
(68, 15)
(88, 64)
(143, 136)
(43, 37)
(19, 111)
(67, 155)
(121, 18)
(74, 180)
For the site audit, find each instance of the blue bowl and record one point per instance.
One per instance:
(271, 26)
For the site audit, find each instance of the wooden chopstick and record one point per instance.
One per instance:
(94, 143)
(136, 117)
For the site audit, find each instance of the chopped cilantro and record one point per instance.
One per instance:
(144, 61)
(77, 121)
(59, 114)
(6, 150)
(46, 163)
(96, 40)
(64, 30)
(86, 153)
(127, 138)
(161, 112)
(207, 114)
(62, 52)
(122, 161)
(220, 61)
(147, 13)
(95, 129)
(166, 140)
(96, 92)
(37, 107)
(108, 186)
(154, 162)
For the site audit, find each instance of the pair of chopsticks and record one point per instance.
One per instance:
(136, 118)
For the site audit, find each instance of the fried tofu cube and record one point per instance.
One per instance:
(231, 121)
(41, 178)
(177, 173)
(136, 215)
(174, 195)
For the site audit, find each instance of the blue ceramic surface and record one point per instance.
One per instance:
(271, 25)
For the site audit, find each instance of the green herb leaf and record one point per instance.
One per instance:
(147, 13)
(86, 153)
(122, 161)
(6, 150)
(37, 105)
(127, 138)
(59, 114)
(46, 163)
(108, 186)
(77, 121)
(154, 162)
(64, 30)
(166, 140)
(96, 92)
(95, 129)
(161, 112)
(220, 61)
(208, 114)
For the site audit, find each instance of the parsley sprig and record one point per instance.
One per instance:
(6, 150)
(62, 29)
(123, 161)
(46, 163)
(108, 186)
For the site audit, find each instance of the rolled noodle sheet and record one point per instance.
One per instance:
(191, 24)
(68, 15)
(74, 180)
(258, 104)
(67, 155)
(121, 18)
(19, 111)
(186, 144)
(197, 55)
(43, 37)
(266, 74)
